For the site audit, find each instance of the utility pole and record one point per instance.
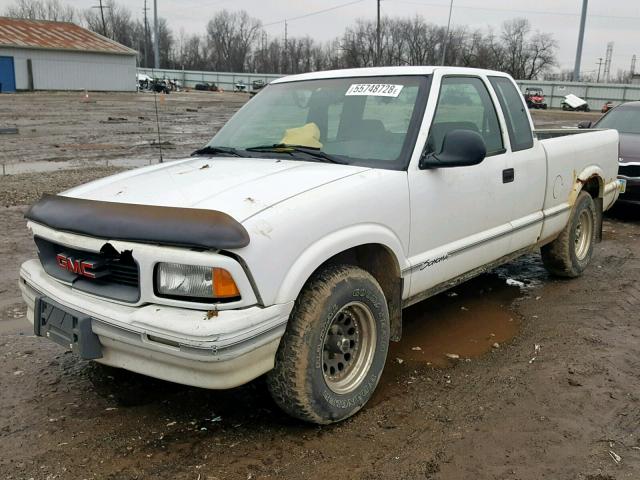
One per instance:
(146, 35)
(632, 71)
(583, 21)
(607, 61)
(104, 24)
(378, 36)
(446, 36)
(156, 36)
(599, 63)
(286, 49)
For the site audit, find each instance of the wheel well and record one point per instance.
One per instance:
(380, 262)
(594, 186)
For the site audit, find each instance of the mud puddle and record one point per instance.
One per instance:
(462, 323)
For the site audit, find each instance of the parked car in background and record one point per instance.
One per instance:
(143, 81)
(625, 119)
(206, 86)
(535, 98)
(574, 103)
(160, 86)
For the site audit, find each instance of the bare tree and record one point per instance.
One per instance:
(542, 57)
(235, 41)
(230, 39)
(41, 10)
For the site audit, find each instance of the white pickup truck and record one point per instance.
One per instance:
(290, 244)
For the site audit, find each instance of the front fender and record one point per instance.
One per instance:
(330, 245)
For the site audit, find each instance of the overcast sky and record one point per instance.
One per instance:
(615, 21)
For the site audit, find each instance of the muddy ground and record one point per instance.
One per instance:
(547, 385)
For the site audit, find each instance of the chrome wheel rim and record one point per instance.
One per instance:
(583, 235)
(348, 348)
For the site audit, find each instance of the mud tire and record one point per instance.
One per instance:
(297, 383)
(559, 257)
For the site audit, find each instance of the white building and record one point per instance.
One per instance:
(43, 55)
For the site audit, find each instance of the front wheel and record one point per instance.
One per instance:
(570, 253)
(332, 355)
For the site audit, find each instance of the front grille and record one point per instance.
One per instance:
(107, 273)
(123, 273)
(631, 171)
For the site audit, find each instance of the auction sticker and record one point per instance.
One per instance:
(374, 89)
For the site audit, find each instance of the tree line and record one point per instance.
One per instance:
(237, 42)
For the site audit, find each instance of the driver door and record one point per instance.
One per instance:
(460, 217)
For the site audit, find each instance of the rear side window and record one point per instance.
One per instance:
(515, 114)
(465, 104)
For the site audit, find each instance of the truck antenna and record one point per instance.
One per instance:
(155, 103)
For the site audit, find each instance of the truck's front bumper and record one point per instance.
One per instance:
(216, 350)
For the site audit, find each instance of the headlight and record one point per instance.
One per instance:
(194, 281)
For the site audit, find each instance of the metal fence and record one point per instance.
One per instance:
(594, 93)
(224, 80)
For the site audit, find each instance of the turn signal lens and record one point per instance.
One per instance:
(223, 284)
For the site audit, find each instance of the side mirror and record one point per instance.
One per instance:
(460, 148)
(585, 124)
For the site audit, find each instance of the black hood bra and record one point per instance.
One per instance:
(171, 226)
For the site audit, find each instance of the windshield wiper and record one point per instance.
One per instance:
(287, 148)
(211, 150)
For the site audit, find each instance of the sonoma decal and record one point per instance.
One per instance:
(433, 261)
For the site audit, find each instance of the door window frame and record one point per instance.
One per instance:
(505, 114)
(493, 100)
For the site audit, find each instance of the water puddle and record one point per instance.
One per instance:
(462, 323)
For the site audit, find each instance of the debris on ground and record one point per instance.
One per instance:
(616, 458)
(536, 351)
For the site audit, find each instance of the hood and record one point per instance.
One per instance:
(630, 147)
(240, 187)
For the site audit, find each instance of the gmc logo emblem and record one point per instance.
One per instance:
(79, 267)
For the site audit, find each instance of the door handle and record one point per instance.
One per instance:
(508, 175)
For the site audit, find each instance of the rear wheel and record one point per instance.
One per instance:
(332, 355)
(570, 253)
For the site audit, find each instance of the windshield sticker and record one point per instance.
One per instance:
(374, 89)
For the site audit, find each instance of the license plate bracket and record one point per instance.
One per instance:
(66, 327)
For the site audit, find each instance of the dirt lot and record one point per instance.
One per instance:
(569, 409)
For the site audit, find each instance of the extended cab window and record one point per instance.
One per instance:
(515, 114)
(464, 104)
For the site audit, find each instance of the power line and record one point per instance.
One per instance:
(508, 10)
(317, 12)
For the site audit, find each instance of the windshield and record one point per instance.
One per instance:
(623, 119)
(371, 121)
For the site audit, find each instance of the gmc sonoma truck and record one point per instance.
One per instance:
(289, 245)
